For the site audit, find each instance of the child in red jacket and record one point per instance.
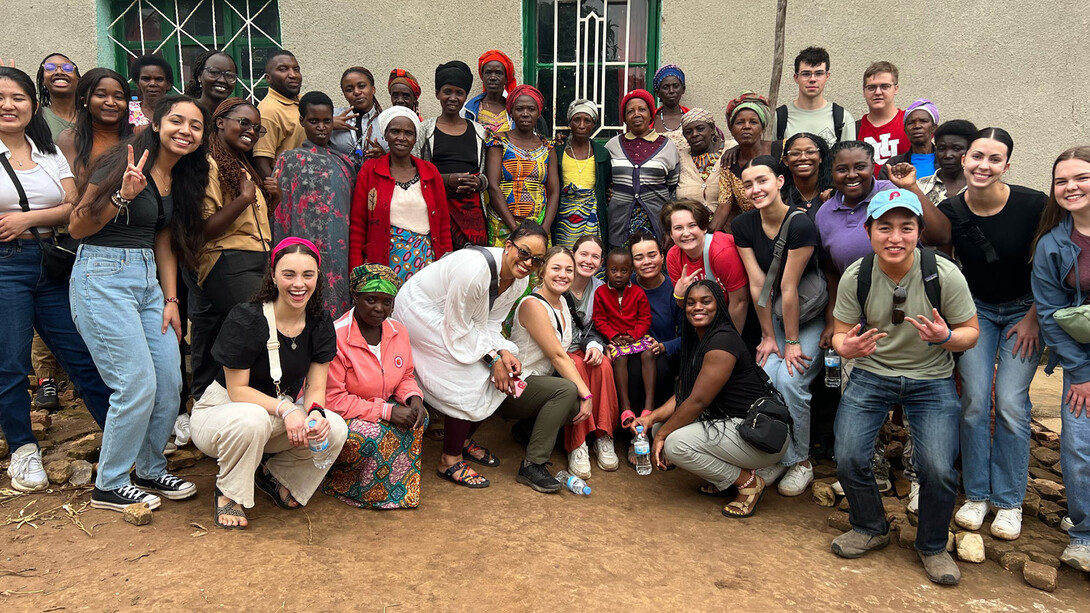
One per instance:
(622, 314)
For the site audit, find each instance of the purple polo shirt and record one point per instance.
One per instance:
(843, 233)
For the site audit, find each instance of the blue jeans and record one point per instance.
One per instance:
(117, 306)
(1075, 461)
(932, 407)
(33, 300)
(796, 388)
(995, 469)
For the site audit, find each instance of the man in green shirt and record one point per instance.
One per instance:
(902, 346)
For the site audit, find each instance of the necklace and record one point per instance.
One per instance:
(292, 339)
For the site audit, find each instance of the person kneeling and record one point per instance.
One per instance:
(249, 410)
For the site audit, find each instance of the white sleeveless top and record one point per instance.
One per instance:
(534, 360)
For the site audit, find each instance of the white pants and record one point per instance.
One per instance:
(238, 433)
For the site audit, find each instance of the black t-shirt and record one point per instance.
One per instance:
(745, 384)
(1010, 232)
(748, 232)
(241, 345)
(456, 153)
(137, 229)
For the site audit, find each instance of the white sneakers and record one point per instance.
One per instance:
(182, 430)
(1007, 524)
(771, 473)
(971, 514)
(26, 471)
(1066, 524)
(1077, 556)
(913, 497)
(883, 486)
(607, 456)
(579, 461)
(796, 480)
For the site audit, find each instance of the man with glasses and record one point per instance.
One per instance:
(910, 363)
(811, 112)
(883, 125)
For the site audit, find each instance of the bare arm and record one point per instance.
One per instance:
(789, 289)
(316, 381)
(552, 191)
(540, 324)
(738, 307)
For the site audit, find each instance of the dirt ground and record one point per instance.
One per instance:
(637, 543)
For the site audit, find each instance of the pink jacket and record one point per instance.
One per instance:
(358, 387)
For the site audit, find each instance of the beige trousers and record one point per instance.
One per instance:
(41, 359)
(238, 433)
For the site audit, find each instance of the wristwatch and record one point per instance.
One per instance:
(490, 358)
(316, 407)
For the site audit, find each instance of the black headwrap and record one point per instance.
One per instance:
(454, 73)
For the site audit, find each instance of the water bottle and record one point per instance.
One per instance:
(832, 368)
(573, 483)
(322, 460)
(136, 114)
(643, 452)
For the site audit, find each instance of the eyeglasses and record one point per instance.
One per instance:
(50, 66)
(796, 154)
(246, 124)
(524, 255)
(873, 87)
(817, 74)
(899, 297)
(216, 74)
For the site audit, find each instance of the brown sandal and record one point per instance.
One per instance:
(461, 473)
(753, 489)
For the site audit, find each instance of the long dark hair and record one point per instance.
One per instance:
(268, 292)
(1054, 213)
(37, 130)
(85, 134)
(43, 92)
(824, 171)
(189, 179)
(232, 166)
(693, 347)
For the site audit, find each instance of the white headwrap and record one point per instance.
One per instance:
(388, 115)
(583, 106)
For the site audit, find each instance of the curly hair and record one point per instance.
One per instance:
(232, 166)
(269, 292)
(43, 92)
(84, 129)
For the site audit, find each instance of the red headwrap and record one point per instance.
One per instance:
(495, 55)
(405, 77)
(641, 94)
(525, 90)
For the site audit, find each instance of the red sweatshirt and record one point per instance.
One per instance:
(616, 313)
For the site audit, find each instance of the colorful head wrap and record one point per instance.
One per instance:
(582, 105)
(695, 115)
(456, 73)
(753, 101)
(385, 117)
(404, 77)
(374, 278)
(641, 94)
(495, 55)
(669, 70)
(525, 90)
(294, 240)
(925, 104)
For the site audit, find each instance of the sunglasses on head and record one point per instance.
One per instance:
(900, 295)
(526, 256)
(50, 66)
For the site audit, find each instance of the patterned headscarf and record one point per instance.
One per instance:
(525, 90)
(495, 55)
(644, 95)
(669, 70)
(925, 104)
(695, 115)
(582, 105)
(374, 278)
(749, 100)
(404, 77)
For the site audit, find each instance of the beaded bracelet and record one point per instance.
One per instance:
(122, 205)
(792, 342)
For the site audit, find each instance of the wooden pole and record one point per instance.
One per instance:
(777, 63)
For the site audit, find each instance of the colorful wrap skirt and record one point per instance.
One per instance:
(641, 345)
(379, 467)
(409, 252)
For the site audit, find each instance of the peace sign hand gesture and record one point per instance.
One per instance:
(685, 280)
(133, 181)
(931, 331)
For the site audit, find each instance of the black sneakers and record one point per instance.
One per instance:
(538, 477)
(46, 396)
(168, 486)
(117, 500)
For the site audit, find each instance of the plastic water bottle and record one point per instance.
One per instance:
(322, 460)
(643, 452)
(573, 483)
(832, 368)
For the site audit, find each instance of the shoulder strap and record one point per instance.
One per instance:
(781, 122)
(576, 320)
(559, 324)
(772, 277)
(838, 120)
(494, 284)
(160, 216)
(708, 272)
(862, 285)
(273, 346)
(929, 268)
(962, 221)
(24, 203)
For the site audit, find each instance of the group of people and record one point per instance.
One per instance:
(352, 280)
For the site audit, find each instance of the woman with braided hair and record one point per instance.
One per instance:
(237, 235)
(214, 77)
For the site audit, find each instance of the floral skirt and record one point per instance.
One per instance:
(379, 467)
(640, 221)
(409, 252)
(639, 346)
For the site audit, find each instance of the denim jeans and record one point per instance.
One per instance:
(34, 301)
(117, 306)
(995, 468)
(1075, 461)
(796, 387)
(932, 407)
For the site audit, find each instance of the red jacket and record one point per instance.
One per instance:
(632, 316)
(369, 225)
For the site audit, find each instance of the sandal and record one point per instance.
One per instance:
(710, 490)
(461, 474)
(488, 459)
(753, 496)
(227, 509)
(271, 486)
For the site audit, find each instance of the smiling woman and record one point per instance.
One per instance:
(102, 102)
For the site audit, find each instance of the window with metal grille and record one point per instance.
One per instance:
(181, 30)
(594, 49)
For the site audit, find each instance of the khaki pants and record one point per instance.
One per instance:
(238, 433)
(42, 360)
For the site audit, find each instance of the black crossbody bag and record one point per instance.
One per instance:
(768, 423)
(58, 254)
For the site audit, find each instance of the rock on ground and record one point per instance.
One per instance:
(1047, 559)
(138, 514)
(82, 472)
(839, 521)
(58, 471)
(906, 537)
(1040, 576)
(823, 494)
(970, 547)
(1014, 561)
(1049, 490)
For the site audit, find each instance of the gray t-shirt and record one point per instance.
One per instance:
(819, 122)
(903, 353)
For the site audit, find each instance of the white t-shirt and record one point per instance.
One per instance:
(42, 192)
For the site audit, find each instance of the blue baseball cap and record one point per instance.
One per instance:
(887, 200)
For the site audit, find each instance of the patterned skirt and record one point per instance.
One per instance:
(409, 252)
(379, 467)
(641, 345)
(576, 216)
(640, 221)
